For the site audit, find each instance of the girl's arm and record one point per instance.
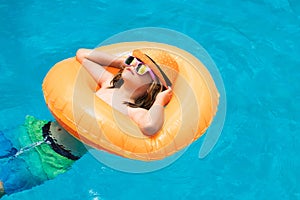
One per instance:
(93, 61)
(99, 57)
(150, 121)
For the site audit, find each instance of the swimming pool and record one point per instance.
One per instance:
(256, 46)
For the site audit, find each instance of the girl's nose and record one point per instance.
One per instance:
(134, 63)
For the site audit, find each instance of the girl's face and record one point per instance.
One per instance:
(136, 76)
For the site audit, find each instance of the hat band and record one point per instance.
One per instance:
(168, 82)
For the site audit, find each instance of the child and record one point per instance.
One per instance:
(140, 90)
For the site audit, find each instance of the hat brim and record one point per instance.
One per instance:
(163, 78)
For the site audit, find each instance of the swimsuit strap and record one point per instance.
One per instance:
(60, 149)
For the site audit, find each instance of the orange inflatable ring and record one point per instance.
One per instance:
(69, 92)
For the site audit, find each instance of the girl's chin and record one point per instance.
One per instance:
(126, 78)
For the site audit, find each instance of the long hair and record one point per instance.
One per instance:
(144, 101)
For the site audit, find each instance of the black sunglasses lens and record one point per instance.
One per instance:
(138, 67)
(129, 60)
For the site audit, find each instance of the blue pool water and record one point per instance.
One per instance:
(254, 43)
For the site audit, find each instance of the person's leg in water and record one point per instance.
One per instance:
(14, 173)
(2, 192)
(6, 150)
(16, 176)
(6, 147)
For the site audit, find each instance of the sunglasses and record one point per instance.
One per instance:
(140, 67)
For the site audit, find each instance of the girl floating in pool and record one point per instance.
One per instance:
(140, 90)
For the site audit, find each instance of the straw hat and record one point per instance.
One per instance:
(160, 62)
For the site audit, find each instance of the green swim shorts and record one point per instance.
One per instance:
(42, 160)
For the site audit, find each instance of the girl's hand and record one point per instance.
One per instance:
(119, 63)
(164, 97)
